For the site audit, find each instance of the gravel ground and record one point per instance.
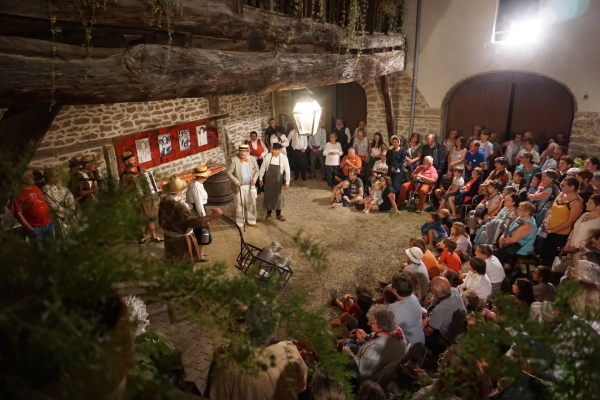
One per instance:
(361, 248)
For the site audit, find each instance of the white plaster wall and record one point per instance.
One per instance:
(456, 44)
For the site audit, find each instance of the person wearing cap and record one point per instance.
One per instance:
(178, 222)
(31, 210)
(416, 265)
(395, 158)
(61, 202)
(86, 189)
(279, 137)
(146, 203)
(197, 197)
(243, 171)
(274, 175)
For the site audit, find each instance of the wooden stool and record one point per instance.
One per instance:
(528, 260)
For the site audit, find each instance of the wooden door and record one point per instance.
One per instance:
(351, 104)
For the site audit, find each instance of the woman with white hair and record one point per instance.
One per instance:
(178, 221)
(424, 176)
(383, 348)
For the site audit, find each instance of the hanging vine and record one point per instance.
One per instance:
(164, 9)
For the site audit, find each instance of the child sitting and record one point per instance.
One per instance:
(374, 197)
(458, 233)
(449, 259)
(518, 182)
(457, 184)
(341, 193)
(447, 222)
(432, 230)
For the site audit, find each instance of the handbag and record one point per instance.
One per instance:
(562, 262)
(512, 248)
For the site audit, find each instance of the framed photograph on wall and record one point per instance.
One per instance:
(185, 142)
(142, 147)
(164, 144)
(202, 135)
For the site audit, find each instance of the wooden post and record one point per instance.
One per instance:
(237, 6)
(389, 109)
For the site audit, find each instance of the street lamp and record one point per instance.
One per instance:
(307, 114)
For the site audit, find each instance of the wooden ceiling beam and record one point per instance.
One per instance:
(137, 73)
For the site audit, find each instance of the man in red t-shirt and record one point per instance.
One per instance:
(31, 210)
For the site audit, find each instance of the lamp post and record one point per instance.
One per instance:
(307, 114)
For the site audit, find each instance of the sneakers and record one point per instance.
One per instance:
(142, 241)
(158, 240)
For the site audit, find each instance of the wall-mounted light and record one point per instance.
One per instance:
(307, 114)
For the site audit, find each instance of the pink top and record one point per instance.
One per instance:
(430, 172)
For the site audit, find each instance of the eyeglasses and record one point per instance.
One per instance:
(372, 322)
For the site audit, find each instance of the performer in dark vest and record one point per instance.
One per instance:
(257, 150)
(343, 134)
(274, 174)
(271, 130)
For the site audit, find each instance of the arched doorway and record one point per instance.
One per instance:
(510, 101)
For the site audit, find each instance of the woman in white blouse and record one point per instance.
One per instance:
(332, 153)
(476, 280)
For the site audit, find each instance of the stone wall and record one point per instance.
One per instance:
(79, 130)
(585, 134)
(427, 118)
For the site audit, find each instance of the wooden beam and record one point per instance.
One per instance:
(211, 18)
(21, 132)
(138, 73)
(389, 109)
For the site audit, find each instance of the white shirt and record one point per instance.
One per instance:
(196, 196)
(283, 140)
(494, 270)
(298, 142)
(254, 145)
(332, 153)
(281, 160)
(318, 139)
(480, 284)
(488, 150)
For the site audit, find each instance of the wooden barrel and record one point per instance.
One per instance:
(218, 187)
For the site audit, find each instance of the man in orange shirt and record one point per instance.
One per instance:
(351, 161)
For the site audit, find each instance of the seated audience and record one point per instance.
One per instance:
(379, 170)
(369, 390)
(348, 303)
(341, 193)
(543, 290)
(565, 164)
(592, 164)
(528, 148)
(449, 259)
(446, 319)
(407, 309)
(528, 167)
(475, 158)
(476, 280)
(519, 183)
(586, 189)
(377, 152)
(458, 233)
(415, 255)
(456, 156)
(560, 219)
(545, 194)
(383, 348)
(490, 232)
(388, 197)
(518, 238)
(457, 184)
(432, 230)
(348, 163)
(523, 292)
(374, 197)
(424, 176)
(500, 173)
(584, 227)
(493, 268)
(487, 209)
(356, 187)
(358, 319)
(447, 222)
(468, 192)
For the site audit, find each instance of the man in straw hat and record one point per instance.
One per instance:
(243, 173)
(61, 202)
(86, 188)
(197, 197)
(178, 221)
(146, 203)
(276, 172)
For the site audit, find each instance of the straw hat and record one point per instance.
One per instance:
(243, 147)
(52, 175)
(86, 159)
(415, 254)
(174, 185)
(126, 156)
(201, 171)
